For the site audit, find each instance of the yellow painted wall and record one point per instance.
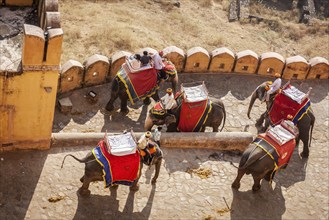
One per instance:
(28, 110)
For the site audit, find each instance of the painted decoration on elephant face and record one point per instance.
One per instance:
(289, 102)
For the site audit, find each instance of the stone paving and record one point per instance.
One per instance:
(33, 185)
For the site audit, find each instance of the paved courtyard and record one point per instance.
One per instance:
(193, 184)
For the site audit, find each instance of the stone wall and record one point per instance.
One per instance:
(196, 60)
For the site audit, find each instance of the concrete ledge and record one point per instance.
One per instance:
(228, 141)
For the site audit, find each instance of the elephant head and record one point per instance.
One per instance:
(259, 93)
(153, 119)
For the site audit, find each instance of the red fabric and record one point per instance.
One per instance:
(158, 106)
(143, 81)
(284, 106)
(284, 151)
(190, 115)
(123, 168)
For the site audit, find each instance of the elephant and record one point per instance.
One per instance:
(216, 116)
(119, 90)
(305, 124)
(256, 162)
(94, 171)
(267, 153)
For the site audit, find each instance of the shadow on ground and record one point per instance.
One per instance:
(107, 207)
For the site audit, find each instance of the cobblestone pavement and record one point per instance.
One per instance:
(33, 185)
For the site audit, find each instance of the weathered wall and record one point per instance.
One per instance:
(198, 60)
(28, 95)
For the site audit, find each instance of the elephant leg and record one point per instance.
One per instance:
(110, 105)
(157, 170)
(81, 179)
(260, 121)
(236, 183)
(268, 175)
(135, 186)
(305, 152)
(124, 103)
(147, 101)
(84, 189)
(304, 135)
(215, 128)
(256, 185)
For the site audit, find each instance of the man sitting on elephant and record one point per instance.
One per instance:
(147, 148)
(274, 87)
(159, 66)
(169, 101)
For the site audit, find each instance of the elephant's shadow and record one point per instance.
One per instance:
(107, 207)
(295, 171)
(179, 160)
(267, 203)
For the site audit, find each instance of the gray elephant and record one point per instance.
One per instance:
(122, 87)
(267, 153)
(95, 172)
(158, 116)
(305, 122)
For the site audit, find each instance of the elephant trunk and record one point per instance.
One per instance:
(252, 101)
(148, 123)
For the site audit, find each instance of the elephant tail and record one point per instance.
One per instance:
(84, 160)
(224, 112)
(311, 129)
(221, 105)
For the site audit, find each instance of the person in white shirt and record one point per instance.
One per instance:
(168, 100)
(158, 65)
(144, 140)
(157, 135)
(274, 87)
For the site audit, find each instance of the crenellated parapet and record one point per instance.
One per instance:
(198, 60)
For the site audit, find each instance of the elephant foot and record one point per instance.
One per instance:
(147, 101)
(235, 185)
(259, 123)
(84, 192)
(154, 181)
(109, 107)
(124, 111)
(134, 187)
(304, 154)
(255, 188)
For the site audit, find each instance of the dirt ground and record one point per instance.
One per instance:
(34, 186)
(105, 27)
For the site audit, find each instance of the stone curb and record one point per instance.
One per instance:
(228, 141)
